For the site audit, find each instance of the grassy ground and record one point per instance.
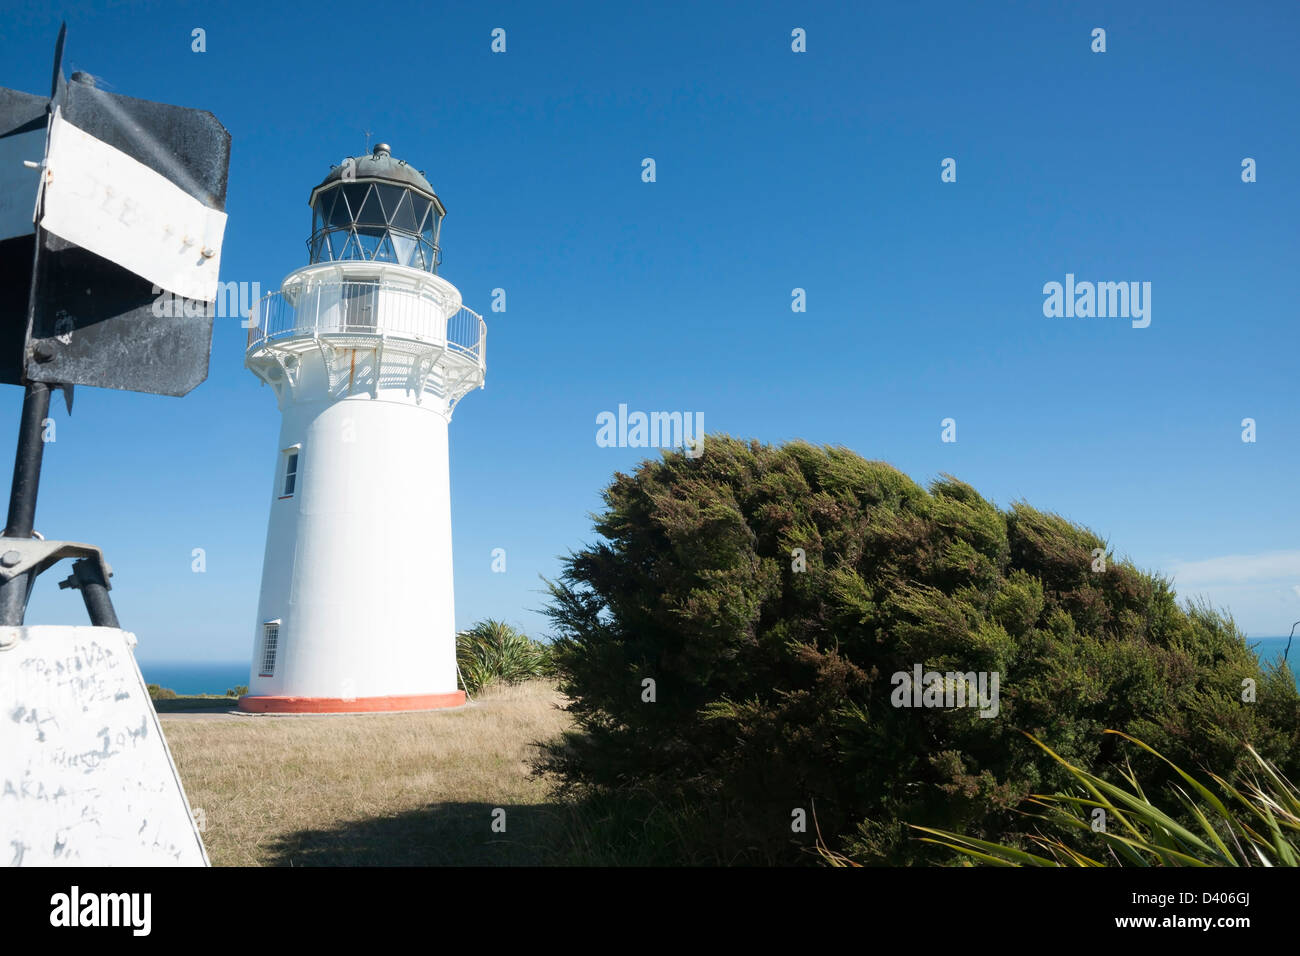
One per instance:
(401, 789)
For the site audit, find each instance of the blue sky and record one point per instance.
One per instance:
(775, 170)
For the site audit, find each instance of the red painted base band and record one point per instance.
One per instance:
(356, 705)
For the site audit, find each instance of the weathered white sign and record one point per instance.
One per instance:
(86, 778)
(103, 200)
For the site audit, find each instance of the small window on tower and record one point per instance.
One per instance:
(270, 640)
(290, 473)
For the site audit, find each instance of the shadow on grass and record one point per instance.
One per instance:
(604, 832)
(440, 834)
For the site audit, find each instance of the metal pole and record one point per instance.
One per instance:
(22, 495)
(27, 462)
(94, 592)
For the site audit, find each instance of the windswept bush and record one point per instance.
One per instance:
(731, 645)
(492, 651)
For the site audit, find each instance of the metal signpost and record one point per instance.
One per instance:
(106, 202)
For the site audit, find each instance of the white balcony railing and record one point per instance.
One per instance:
(361, 308)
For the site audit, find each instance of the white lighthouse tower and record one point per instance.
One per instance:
(368, 351)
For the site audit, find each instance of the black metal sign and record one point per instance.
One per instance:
(91, 316)
(109, 206)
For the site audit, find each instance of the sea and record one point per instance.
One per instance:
(1269, 651)
(196, 677)
(216, 677)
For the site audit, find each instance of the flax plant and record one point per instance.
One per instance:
(1254, 821)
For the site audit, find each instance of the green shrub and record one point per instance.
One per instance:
(160, 693)
(238, 691)
(492, 651)
(772, 667)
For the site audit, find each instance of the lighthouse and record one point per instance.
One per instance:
(368, 350)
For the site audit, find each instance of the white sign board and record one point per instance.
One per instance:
(103, 200)
(86, 778)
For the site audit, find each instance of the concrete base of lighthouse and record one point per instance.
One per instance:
(355, 705)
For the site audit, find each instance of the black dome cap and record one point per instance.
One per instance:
(381, 166)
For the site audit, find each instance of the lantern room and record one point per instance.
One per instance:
(376, 208)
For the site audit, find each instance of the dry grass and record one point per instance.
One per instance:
(408, 789)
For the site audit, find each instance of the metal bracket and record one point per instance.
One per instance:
(421, 368)
(289, 366)
(22, 555)
(88, 577)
